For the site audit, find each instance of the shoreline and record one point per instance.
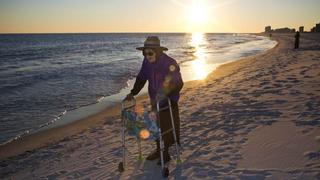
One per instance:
(53, 135)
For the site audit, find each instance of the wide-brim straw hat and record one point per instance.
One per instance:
(152, 42)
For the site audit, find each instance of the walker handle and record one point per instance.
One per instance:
(165, 107)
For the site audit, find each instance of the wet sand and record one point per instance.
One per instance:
(255, 118)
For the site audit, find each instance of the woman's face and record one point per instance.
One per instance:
(150, 55)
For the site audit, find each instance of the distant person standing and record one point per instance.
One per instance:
(297, 40)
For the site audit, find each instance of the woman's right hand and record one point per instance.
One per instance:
(129, 97)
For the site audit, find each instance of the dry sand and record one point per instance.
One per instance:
(255, 118)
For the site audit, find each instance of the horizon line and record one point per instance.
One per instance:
(127, 33)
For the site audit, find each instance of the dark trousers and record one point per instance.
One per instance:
(165, 124)
(296, 44)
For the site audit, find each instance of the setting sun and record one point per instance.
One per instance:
(197, 16)
(198, 13)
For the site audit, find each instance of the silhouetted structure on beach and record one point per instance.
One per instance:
(268, 29)
(316, 29)
(301, 29)
(285, 30)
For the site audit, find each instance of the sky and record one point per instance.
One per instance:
(80, 16)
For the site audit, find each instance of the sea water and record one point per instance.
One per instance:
(48, 80)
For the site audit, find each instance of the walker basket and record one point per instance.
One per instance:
(143, 126)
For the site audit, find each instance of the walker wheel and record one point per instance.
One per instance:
(165, 172)
(120, 167)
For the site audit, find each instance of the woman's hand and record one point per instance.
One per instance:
(129, 97)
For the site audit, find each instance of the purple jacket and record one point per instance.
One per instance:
(163, 76)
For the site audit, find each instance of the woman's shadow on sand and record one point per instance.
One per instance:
(143, 170)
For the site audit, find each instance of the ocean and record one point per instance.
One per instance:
(48, 80)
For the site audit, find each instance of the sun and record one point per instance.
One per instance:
(202, 15)
(197, 15)
(198, 12)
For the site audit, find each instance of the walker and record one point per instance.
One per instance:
(145, 127)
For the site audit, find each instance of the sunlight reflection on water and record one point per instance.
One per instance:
(199, 64)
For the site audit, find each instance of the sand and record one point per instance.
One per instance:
(255, 118)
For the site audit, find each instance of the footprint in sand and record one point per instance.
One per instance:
(278, 85)
(236, 94)
(312, 155)
(265, 82)
(303, 72)
(293, 80)
(53, 176)
(294, 92)
(307, 76)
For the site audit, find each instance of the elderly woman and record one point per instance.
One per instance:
(163, 74)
